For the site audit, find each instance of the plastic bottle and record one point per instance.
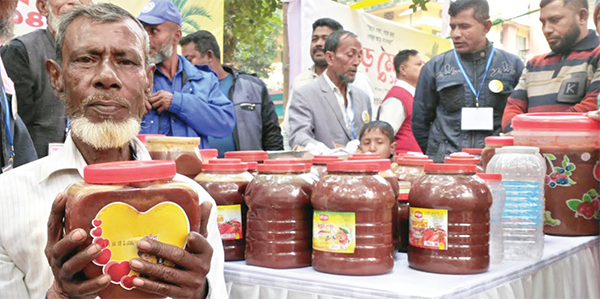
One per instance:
(493, 180)
(523, 172)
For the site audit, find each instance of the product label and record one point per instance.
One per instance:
(428, 228)
(118, 227)
(523, 205)
(229, 221)
(334, 231)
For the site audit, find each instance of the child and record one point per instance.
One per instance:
(377, 137)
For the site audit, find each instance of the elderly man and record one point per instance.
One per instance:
(566, 79)
(104, 76)
(331, 110)
(186, 101)
(25, 58)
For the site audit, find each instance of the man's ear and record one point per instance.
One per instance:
(403, 70)
(487, 25)
(329, 57)
(42, 7)
(583, 16)
(55, 75)
(177, 36)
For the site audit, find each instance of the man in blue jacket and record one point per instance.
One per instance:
(186, 101)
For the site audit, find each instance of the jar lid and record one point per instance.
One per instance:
(451, 168)
(490, 176)
(174, 140)
(462, 155)
(252, 166)
(451, 160)
(239, 166)
(125, 172)
(555, 122)
(224, 161)
(142, 137)
(248, 156)
(411, 157)
(324, 160)
(306, 161)
(209, 153)
(473, 151)
(403, 196)
(296, 167)
(383, 164)
(532, 150)
(354, 166)
(364, 156)
(499, 140)
(413, 162)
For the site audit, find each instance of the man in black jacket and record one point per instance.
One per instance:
(257, 127)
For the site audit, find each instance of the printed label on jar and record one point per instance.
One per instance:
(334, 231)
(229, 221)
(118, 227)
(428, 228)
(523, 205)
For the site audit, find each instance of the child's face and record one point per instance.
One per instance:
(374, 141)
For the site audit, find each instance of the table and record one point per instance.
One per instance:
(569, 268)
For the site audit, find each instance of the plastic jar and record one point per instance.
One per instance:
(523, 172)
(226, 181)
(208, 154)
(252, 168)
(142, 137)
(449, 220)
(570, 144)
(306, 161)
(410, 169)
(493, 180)
(352, 223)
(402, 224)
(279, 217)
(120, 203)
(248, 156)
(183, 150)
(464, 158)
(320, 164)
(473, 151)
(491, 144)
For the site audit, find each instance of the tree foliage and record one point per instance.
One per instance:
(188, 10)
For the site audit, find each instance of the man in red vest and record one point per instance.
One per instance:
(396, 108)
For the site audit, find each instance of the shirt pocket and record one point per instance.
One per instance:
(573, 88)
(451, 94)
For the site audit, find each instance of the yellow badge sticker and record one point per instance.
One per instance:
(366, 117)
(496, 86)
(334, 231)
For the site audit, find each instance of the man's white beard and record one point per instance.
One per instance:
(165, 52)
(53, 20)
(105, 135)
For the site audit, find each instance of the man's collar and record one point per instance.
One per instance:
(179, 67)
(590, 42)
(478, 55)
(405, 85)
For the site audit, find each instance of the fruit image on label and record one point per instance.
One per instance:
(428, 228)
(334, 231)
(118, 227)
(229, 221)
(587, 207)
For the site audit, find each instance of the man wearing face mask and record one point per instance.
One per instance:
(566, 79)
(25, 58)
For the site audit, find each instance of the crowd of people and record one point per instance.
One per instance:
(97, 76)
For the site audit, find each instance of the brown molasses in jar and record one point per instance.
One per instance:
(449, 220)
(183, 150)
(569, 143)
(352, 223)
(411, 168)
(248, 156)
(491, 144)
(464, 158)
(320, 164)
(114, 193)
(402, 225)
(226, 181)
(279, 217)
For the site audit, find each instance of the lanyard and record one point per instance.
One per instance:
(7, 125)
(462, 70)
(351, 121)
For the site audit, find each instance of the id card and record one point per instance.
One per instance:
(477, 119)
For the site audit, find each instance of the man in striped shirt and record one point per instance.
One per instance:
(566, 79)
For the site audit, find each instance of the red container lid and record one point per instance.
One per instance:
(371, 156)
(403, 196)
(324, 160)
(462, 155)
(297, 167)
(473, 151)
(554, 122)
(353, 166)
(490, 176)
(225, 167)
(411, 157)
(383, 164)
(414, 162)
(306, 161)
(142, 137)
(248, 156)
(364, 157)
(210, 153)
(451, 168)
(452, 160)
(125, 172)
(224, 161)
(500, 140)
(252, 166)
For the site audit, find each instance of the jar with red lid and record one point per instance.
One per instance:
(121, 203)
(279, 217)
(402, 224)
(320, 164)
(142, 137)
(308, 163)
(183, 150)
(411, 168)
(491, 144)
(569, 143)
(449, 220)
(464, 158)
(352, 223)
(226, 181)
(252, 168)
(248, 156)
(473, 151)
(208, 154)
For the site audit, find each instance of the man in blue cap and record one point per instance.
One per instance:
(185, 101)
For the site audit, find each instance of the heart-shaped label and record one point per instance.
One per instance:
(118, 227)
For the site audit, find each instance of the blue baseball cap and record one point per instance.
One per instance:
(159, 11)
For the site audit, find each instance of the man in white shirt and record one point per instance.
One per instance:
(105, 78)
(322, 28)
(396, 108)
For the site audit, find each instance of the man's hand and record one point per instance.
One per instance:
(188, 278)
(66, 262)
(593, 114)
(161, 100)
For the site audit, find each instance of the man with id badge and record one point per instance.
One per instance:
(461, 94)
(566, 79)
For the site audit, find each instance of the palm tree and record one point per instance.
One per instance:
(187, 15)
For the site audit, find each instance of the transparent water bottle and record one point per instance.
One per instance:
(523, 172)
(493, 180)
